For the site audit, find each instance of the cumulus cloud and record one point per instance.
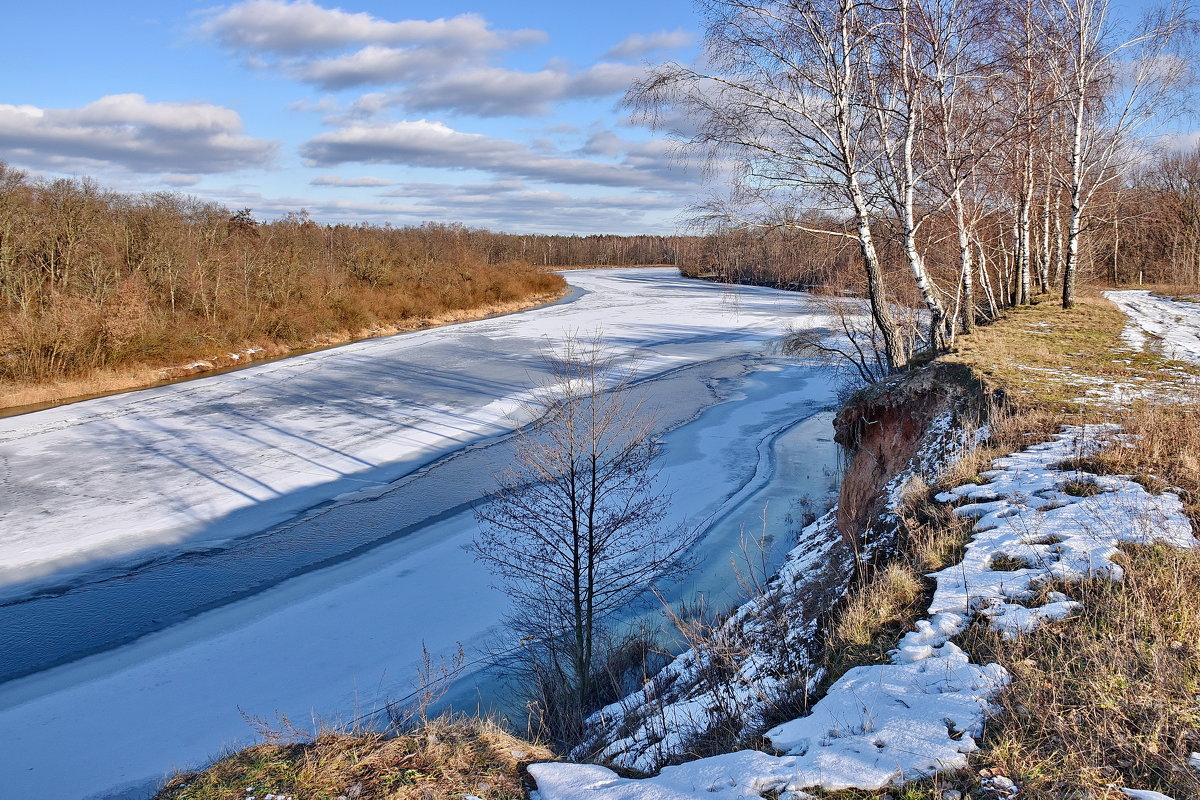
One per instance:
(487, 92)
(126, 130)
(423, 65)
(603, 143)
(496, 92)
(377, 64)
(294, 28)
(350, 183)
(335, 49)
(434, 144)
(640, 44)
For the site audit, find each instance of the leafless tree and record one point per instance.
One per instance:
(781, 103)
(574, 531)
(1112, 88)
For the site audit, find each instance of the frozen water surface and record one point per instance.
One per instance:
(284, 538)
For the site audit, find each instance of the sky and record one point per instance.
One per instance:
(495, 114)
(505, 115)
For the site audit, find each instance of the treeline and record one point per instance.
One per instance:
(581, 251)
(1144, 229)
(974, 153)
(1150, 231)
(91, 278)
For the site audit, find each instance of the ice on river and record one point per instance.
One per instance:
(185, 466)
(189, 465)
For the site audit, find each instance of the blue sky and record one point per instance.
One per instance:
(502, 115)
(497, 114)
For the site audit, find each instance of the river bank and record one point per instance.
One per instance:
(16, 399)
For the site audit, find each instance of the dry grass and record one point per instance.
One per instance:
(1109, 696)
(1044, 358)
(448, 758)
(1163, 453)
(98, 280)
(884, 605)
(68, 336)
(874, 616)
(110, 380)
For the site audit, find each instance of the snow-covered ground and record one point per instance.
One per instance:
(195, 466)
(880, 724)
(1172, 326)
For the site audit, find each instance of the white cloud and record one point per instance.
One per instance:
(433, 144)
(507, 205)
(495, 92)
(350, 183)
(180, 180)
(422, 65)
(335, 49)
(378, 64)
(302, 27)
(604, 143)
(126, 130)
(487, 92)
(604, 78)
(1182, 141)
(325, 105)
(640, 44)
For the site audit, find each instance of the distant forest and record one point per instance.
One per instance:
(91, 278)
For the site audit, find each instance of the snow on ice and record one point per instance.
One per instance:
(195, 464)
(185, 466)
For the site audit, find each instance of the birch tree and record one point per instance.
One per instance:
(1112, 89)
(780, 103)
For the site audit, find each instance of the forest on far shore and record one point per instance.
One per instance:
(93, 279)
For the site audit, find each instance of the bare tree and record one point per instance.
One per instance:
(781, 103)
(1112, 89)
(574, 530)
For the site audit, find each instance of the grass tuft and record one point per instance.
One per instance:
(448, 758)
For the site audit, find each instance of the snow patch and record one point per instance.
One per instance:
(1171, 324)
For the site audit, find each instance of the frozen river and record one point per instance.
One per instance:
(285, 537)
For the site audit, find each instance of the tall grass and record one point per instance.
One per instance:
(1109, 696)
(449, 757)
(91, 279)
